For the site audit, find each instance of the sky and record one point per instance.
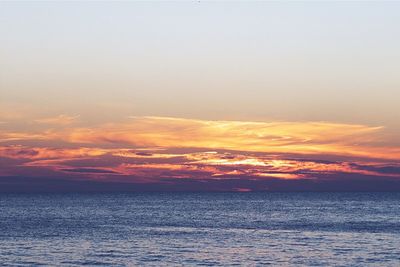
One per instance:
(199, 96)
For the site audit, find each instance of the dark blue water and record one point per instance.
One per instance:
(157, 229)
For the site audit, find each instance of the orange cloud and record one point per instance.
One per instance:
(159, 150)
(275, 137)
(214, 164)
(307, 138)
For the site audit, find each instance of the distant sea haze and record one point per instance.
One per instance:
(54, 185)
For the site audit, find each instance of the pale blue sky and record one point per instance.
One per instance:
(332, 61)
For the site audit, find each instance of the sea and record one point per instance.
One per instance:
(200, 229)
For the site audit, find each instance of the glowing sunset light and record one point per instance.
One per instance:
(162, 151)
(187, 96)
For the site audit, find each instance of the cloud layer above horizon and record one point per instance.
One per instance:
(176, 154)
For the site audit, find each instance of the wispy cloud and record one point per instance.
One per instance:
(274, 137)
(157, 150)
(58, 120)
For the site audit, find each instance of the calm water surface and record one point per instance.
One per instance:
(157, 229)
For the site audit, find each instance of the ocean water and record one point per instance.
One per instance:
(207, 229)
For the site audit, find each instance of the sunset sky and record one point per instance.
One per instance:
(199, 96)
